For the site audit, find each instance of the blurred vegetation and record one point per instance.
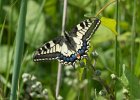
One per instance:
(43, 23)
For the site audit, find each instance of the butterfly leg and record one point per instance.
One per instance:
(73, 65)
(92, 65)
(82, 64)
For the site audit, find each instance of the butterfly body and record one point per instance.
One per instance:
(70, 47)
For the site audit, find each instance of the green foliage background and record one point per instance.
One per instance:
(43, 23)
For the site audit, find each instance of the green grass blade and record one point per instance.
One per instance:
(18, 48)
(133, 36)
(116, 40)
(1, 4)
(133, 47)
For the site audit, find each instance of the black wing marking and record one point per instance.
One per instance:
(94, 26)
(50, 50)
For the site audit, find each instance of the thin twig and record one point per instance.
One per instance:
(103, 83)
(105, 7)
(62, 32)
(108, 89)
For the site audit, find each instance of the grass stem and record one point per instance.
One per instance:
(105, 7)
(116, 69)
(18, 48)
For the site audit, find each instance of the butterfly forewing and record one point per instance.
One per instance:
(85, 29)
(50, 50)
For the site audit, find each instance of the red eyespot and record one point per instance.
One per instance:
(78, 56)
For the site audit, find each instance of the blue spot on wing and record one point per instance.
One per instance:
(61, 57)
(72, 58)
(84, 44)
(84, 48)
(82, 52)
(64, 58)
(68, 59)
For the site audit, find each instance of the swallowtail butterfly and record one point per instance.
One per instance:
(70, 47)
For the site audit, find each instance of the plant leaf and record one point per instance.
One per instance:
(132, 82)
(123, 78)
(109, 23)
